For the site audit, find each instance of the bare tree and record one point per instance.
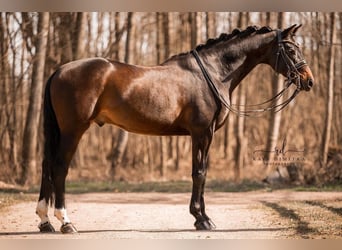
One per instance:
(77, 41)
(5, 70)
(211, 24)
(240, 124)
(330, 97)
(129, 30)
(122, 137)
(194, 30)
(163, 51)
(29, 164)
(81, 24)
(275, 118)
(65, 38)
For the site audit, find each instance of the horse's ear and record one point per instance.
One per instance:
(297, 28)
(290, 31)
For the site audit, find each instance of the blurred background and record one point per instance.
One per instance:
(309, 130)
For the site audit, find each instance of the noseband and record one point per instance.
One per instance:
(292, 77)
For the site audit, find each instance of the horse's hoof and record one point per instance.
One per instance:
(203, 225)
(46, 228)
(68, 228)
(211, 223)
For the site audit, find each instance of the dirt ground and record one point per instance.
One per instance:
(249, 215)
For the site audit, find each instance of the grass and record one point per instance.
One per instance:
(126, 187)
(77, 187)
(9, 198)
(229, 186)
(336, 187)
(186, 186)
(163, 187)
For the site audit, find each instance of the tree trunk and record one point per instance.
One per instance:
(79, 52)
(163, 41)
(65, 45)
(226, 137)
(29, 166)
(128, 46)
(5, 70)
(330, 97)
(240, 124)
(158, 36)
(275, 118)
(81, 36)
(118, 152)
(166, 32)
(118, 35)
(240, 140)
(162, 155)
(211, 24)
(193, 29)
(122, 135)
(160, 58)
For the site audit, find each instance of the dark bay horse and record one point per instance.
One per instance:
(188, 94)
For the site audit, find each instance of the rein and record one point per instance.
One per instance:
(292, 77)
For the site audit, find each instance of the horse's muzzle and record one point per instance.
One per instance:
(306, 78)
(309, 85)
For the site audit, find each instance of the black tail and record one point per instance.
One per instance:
(52, 137)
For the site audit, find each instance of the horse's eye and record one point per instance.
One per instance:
(292, 51)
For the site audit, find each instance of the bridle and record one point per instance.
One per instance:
(292, 77)
(292, 68)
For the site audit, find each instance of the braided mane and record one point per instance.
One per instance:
(236, 33)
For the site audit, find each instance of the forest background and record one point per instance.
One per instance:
(33, 45)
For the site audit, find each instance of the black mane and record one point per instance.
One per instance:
(236, 33)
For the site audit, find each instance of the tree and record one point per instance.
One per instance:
(211, 24)
(29, 154)
(65, 38)
(275, 118)
(122, 137)
(81, 24)
(77, 41)
(5, 70)
(163, 51)
(240, 124)
(194, 30)
(330, 96)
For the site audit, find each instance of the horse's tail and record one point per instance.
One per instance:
(52, 138)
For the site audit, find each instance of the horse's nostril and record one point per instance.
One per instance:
(310, 83)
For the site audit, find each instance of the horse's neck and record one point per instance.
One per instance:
(231, 73)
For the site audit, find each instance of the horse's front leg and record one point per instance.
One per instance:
(200, 148)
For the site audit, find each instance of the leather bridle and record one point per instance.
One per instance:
(292, 77)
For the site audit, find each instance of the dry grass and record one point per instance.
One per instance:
(309, 219)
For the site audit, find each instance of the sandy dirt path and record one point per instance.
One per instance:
(250, 215)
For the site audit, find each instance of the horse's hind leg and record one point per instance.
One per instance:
(67, 148)
(42, 211)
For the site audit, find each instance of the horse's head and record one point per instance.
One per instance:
(290, 61)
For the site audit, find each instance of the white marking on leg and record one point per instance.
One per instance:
(42, 211)
(61, 215)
